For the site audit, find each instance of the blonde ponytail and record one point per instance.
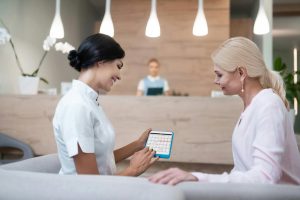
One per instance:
(273, 80)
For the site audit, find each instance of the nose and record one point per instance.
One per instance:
(118, 75)
(216, 81)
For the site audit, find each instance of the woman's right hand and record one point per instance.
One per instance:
(141, 161)
(172, 176)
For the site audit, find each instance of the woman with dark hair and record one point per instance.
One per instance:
(85, 138)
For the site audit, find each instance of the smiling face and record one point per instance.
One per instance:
(108, 73)
(229, 82)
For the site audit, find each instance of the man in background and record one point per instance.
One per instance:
(153, 84)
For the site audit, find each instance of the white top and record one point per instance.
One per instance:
(263, 144)
(141, 85)
(79, 120)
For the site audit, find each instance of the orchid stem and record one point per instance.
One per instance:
(40, 64)
(13, 47)
(17, 58)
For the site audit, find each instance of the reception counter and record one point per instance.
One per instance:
(202, 125)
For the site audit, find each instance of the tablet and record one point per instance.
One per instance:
(155, 91)
(161, 142)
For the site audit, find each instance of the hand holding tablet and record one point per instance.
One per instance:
(161, 142)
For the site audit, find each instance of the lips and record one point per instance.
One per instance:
(114, 79)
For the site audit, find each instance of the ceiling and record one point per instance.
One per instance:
(286, 19)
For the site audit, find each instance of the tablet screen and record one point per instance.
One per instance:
(161, 142)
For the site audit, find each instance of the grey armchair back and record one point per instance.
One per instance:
(7, 141)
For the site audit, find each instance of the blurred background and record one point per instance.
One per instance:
(185, 58)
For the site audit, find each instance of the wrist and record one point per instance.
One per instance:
(201, 177)
(130, 171)
(138, 145)
(193, 178)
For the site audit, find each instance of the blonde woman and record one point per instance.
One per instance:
(263, 142)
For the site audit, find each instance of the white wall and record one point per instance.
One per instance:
(29, 22)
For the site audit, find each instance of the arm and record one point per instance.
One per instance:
(166, 88)
(167, 93)
(263, 171)
(85, 163)
(130, 149)
(140, 93)
(140, 88)
(127, 151)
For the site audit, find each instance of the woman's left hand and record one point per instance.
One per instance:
(141, 141)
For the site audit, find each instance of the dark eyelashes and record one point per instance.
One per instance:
(120, 65)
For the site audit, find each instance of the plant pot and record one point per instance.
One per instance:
(28, 85)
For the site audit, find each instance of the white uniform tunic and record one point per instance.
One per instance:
(263, 144)
(79, 120)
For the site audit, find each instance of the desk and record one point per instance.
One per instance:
(203, 126)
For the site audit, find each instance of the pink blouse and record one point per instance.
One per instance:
(263, 144)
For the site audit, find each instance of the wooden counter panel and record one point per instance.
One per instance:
(203, 126)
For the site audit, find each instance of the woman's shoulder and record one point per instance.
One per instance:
(269, 96)
(71, 100)
(269, 100)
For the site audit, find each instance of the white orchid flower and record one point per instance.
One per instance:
(64, 47)
(48, 43)
(4, 36)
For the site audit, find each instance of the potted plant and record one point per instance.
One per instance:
(292, 89)
(28, 82)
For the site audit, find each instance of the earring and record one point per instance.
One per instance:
(242, 87)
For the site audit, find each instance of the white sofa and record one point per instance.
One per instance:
(37, 178)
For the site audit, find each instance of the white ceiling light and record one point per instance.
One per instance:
(261, 25)
(200, 24)
(153, 28)
(107, 26)
(57, 28)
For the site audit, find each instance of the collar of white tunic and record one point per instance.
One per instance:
(86, 89)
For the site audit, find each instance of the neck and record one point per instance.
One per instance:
(251, 89)
(88, 77)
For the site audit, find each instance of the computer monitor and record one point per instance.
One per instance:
(154, 91)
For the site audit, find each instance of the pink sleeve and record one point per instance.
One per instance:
(258, 174)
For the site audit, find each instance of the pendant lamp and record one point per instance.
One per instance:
(107, 26)
(200, 24)
(57, 28)
(153, 27)
(261, 24)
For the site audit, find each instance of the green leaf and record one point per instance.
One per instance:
(289, 78)
(44, 80)
(278, 64)
(283, 66)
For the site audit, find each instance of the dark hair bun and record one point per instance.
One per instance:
(74, 59)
